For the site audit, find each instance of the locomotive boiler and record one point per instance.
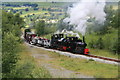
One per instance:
(72, 44)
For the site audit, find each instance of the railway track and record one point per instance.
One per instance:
(99, 57)
(104, 58)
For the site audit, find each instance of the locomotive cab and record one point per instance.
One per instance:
(81, 47)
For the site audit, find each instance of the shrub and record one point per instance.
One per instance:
(10, 42)
(100, 44)
(92, 44)
(114, 47)
(10, 48)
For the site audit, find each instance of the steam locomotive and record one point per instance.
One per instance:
(58, 41)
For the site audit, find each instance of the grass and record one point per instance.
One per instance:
(47, 4)
(104, 53)
(87, 67)
(27, 67)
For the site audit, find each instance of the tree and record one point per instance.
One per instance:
(35, 8)
(11, 25)
(9, 52)
(40, 26)
(100, 44)
(18, 20)
(111, 17)
(114, 47)
(92, 44)
(26, 9)
(62, 25)
(111, 21)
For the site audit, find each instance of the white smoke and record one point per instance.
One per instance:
(66, 32)
(81, 12)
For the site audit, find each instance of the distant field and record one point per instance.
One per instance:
(17, 8)
(54, 4)
(33, 12)
(115, 7)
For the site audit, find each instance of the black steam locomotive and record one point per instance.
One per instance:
(58, 41)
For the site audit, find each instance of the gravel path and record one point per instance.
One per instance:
(56, 71)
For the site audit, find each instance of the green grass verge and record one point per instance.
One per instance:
(87, 67)
(27, 67)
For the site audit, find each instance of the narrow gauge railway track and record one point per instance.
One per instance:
(104, 58)
(94, 56)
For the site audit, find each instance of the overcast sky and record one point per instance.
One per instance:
(50, 0)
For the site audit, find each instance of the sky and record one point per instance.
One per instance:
(50, 0)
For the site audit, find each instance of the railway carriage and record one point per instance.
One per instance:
(29, 37)
(40, 41)
(46, 43)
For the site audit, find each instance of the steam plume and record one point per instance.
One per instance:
(81, 12)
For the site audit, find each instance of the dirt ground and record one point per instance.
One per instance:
(42, 57)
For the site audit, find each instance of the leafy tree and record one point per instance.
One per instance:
(100, 44)
(62, 25)
(18, 20)
(11, 25)
(49, 9)
(26, 9)
(35, 8)
(40, 27)
(111, 17)
(97, 44)
(92, 44)
(50, 29)
(110, 23)
(9, 50)
(20, 12)
(115, 46)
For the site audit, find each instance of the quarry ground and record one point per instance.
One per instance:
(44, 59)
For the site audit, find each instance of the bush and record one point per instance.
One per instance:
(40, 27)
(10, 42)
(99, 43)
(27, 67)
(30, 70)
(92, 44)
(9, 54)
(114, 47)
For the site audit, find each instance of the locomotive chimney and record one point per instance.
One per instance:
(83, 39)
